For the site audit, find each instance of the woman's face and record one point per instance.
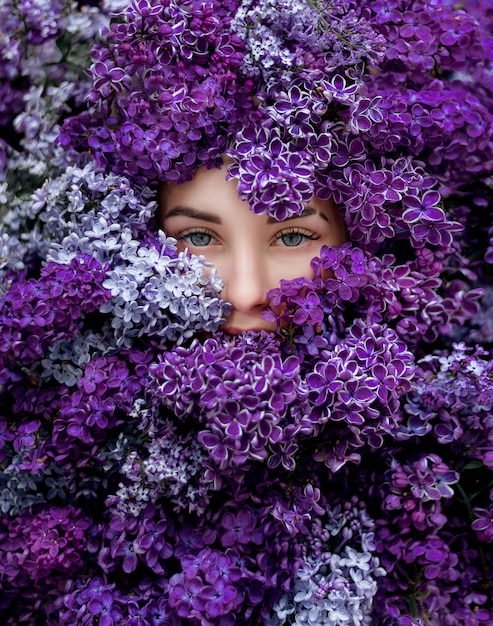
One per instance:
(251, 253)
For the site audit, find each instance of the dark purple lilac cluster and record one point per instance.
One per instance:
(171, 100)
(421, 537)
(240, 398)
(166, 92)
(156, 472)
(39, 312)
(36, 547)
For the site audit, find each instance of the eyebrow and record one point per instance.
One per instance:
(194, 213)
(214, 219)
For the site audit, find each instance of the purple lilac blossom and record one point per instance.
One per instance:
(155, 471)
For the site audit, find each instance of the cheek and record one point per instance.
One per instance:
(294, 265)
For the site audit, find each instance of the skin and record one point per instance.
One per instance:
(251, 253)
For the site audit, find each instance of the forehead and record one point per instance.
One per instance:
(210, 191)
(207, 189)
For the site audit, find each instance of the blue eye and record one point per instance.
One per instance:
(198, 239)
(294, 238)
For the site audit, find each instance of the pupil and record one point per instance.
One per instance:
(200, 239)
(292, 239)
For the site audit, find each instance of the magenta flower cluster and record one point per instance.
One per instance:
(157, 472)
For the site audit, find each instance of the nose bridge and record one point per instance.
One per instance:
(246, 278)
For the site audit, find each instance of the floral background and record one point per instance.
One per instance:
(154, 471)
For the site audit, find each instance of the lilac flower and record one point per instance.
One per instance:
(338, 89)
(103, 606)
(483, 524)
(238, 529)
(309, 309)
(154, 471)
(423, 209)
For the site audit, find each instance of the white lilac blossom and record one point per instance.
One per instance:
(155, 471)
(172, 468)
(86, 212)
(335, 589)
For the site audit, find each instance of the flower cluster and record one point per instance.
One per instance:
(149, 287)
(171, 466)
(44, 50)
(426, 493)
(37, 546)
(155, 471)
(41, 312)
(333, 588)
(242, 398)
(166, 93)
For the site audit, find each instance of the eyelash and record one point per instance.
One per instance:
(301, 231)
(191, 231)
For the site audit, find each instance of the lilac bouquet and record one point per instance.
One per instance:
(155, 471)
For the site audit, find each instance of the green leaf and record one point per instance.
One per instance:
(474, 464)
(64, 43)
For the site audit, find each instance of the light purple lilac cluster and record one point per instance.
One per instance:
(157, 472)
(335, 587)
(24, 23)
(44, 50)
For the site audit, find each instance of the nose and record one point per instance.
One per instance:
(246, 281)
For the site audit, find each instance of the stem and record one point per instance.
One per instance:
(413, 606)
(465, 498)
(291, 337)
(484, 570)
